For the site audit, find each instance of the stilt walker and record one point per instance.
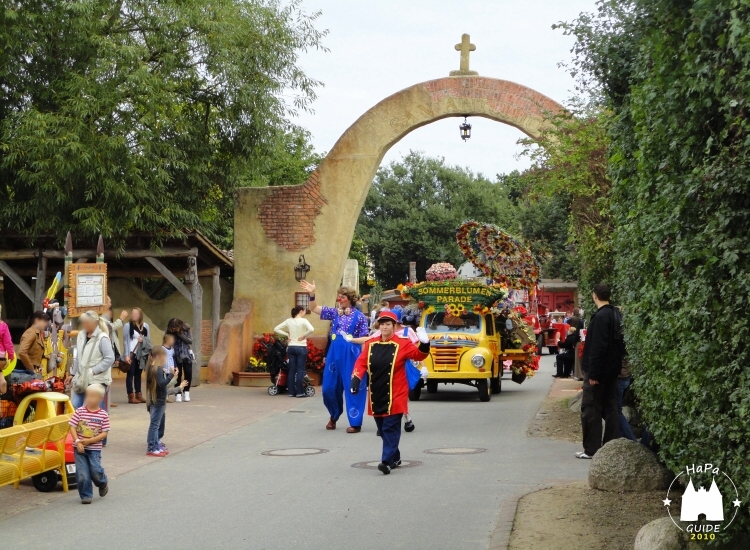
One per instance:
(383, 360)
(345, 319)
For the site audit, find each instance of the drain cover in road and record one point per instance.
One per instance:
(456, 451)
(374, 465)
(294, 452)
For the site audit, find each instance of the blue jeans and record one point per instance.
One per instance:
(296, 375)
(89, 471)
(625, 431)
(390, 432)
(156, 427)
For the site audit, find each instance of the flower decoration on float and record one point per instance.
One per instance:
(498, 255)
(441, 271)
(467, 294)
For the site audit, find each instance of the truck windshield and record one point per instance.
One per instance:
(441, 322)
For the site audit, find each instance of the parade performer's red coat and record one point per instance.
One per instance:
(384, 362)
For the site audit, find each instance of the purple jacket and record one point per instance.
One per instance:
(6, 344)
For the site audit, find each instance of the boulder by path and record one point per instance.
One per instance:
(660, 534)
(575, 402)
(627, 466)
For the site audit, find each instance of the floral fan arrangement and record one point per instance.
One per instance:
(498, 255)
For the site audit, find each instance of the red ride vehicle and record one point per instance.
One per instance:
(548, 327)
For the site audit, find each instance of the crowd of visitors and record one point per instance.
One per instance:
(168, 369)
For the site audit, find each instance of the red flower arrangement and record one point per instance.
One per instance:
(260, 348)
(316, 358)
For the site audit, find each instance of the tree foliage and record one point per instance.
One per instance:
(570, 167)
(413, 210)
(542, 223)
(129, 116)
(677, 76)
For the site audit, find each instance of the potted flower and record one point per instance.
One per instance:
(255, 372)
(316, 360)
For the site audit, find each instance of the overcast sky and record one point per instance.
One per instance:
(379, 47)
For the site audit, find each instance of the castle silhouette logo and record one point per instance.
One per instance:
(701, 502)
(695, 503)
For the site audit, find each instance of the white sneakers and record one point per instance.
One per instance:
(180, 397)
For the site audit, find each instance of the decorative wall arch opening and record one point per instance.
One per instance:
(274, 225)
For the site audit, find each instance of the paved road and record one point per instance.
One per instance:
(225, 494)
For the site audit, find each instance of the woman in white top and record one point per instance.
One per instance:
(296, 330)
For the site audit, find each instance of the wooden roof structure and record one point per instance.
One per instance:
(22, 254)
(23, 258)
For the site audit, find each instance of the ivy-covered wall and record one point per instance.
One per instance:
(677, 75)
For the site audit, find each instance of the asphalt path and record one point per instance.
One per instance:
(226, 494)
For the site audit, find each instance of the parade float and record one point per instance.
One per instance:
(474, 329)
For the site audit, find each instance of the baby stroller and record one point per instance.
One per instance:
(278, 368)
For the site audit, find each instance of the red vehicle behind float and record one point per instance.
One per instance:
(548, 327)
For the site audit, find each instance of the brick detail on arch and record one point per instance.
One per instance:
(502, 96)
(288, 214)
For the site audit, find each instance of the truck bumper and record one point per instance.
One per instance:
(457, 375)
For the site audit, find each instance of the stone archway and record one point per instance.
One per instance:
(274, 225)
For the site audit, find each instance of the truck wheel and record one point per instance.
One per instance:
(496, 384)
(432, 387)
(415, 393)
(484, 390)
(46, 481)
(539, 344)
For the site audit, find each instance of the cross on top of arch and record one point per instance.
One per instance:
(465, 47)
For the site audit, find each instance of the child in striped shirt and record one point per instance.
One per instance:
(89, 426)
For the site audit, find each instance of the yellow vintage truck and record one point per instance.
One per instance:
(465, 339)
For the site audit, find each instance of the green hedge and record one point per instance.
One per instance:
(677, 75)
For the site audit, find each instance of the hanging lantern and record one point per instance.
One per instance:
(465, 129)
(301, 269)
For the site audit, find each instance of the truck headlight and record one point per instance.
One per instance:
(477, 361)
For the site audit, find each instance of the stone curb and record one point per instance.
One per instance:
(506, 516)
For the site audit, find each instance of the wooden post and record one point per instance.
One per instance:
(196, 297)
(19, 282)
(168, 275)
(41, 275)
(100, 251)
(215, 307)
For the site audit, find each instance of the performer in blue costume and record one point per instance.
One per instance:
(345, 319)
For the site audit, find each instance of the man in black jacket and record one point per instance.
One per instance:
(602, 361)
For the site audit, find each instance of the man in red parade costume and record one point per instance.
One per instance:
(383, 359)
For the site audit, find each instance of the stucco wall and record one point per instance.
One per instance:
(126, 295)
